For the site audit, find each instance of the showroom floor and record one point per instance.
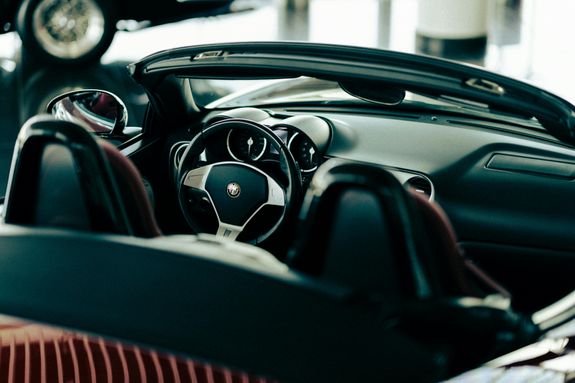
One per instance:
(530, 39)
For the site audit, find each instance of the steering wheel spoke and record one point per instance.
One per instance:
(276, 196)
(196, 178)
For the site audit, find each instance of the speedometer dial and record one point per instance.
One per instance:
(245, 146)
(304, 152)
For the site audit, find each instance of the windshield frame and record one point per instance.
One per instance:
(415, 73)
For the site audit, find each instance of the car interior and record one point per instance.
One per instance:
(298, 242)
(57, 157)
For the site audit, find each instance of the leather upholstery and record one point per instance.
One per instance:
(61, 176)
(374, 241)
(459, 276)
(133, 193)
(361, 228)
(34, 353)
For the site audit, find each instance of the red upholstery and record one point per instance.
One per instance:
(134, 196)
(461, 275)
(33, 353)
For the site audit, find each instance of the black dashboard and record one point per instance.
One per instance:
(310, 138)
(446, 158)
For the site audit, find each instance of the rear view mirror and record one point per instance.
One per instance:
(373, 91)
(102, 111)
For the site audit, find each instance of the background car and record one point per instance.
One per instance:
(61, 31)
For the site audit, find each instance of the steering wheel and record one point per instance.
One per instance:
(236, 191)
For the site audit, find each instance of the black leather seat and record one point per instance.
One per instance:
(61, 176)
(360, 228)
(356, 230)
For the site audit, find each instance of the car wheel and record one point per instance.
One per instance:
(66, 31)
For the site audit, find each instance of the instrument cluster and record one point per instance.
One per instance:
(245, 146)
(306, 137)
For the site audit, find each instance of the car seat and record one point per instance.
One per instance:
(360, 228)
(61, 176)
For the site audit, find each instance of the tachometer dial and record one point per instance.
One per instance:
(304, 152)
(245, 146)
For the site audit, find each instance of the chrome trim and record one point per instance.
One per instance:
(234, 156)
(289, 148)
(178, 152)
(234, 189)
(229, 231)
(485, 85)
(197, 178)
(403, 177)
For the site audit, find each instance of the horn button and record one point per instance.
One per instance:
(237, 192)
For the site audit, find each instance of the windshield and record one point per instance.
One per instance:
(223, 94)
(213, 94)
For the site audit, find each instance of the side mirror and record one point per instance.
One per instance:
(104, 112)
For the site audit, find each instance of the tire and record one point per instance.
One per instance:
(66, 31)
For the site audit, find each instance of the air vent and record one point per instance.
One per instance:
(420, 185)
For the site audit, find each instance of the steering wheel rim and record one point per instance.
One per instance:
(190, 176)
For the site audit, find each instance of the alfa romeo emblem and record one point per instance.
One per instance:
(234, 189)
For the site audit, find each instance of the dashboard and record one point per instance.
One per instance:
(308, 137)
(448, 158)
